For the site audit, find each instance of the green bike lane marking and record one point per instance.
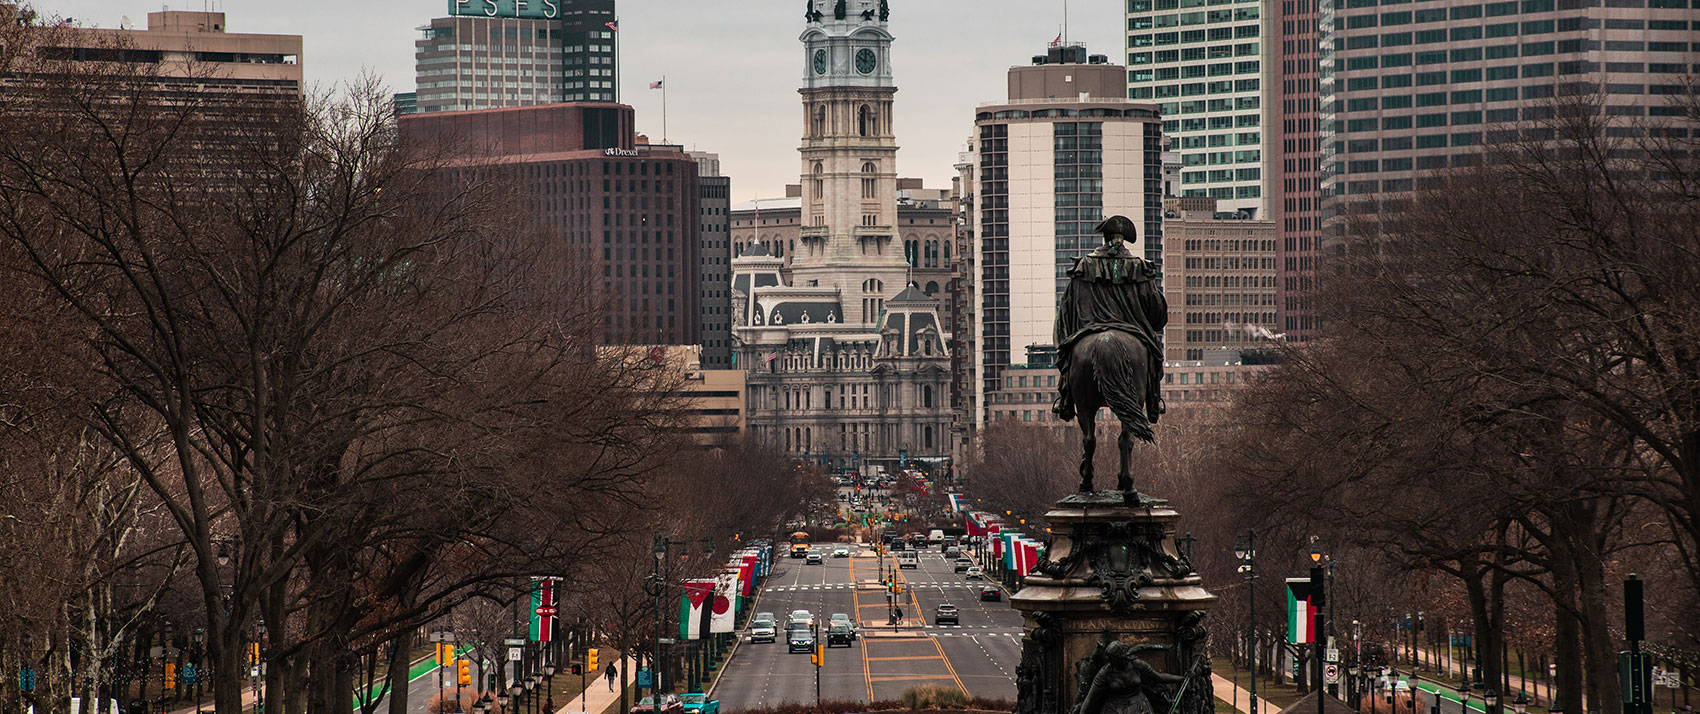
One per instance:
(417, 670)
(1437, 691)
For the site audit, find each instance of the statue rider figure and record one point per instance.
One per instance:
(1112, 289)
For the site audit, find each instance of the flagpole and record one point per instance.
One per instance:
(664, 109)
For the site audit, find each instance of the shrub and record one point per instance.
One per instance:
(932, 696)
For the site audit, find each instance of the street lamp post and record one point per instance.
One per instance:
(549, 687)
(1246, 551)
(200, 649)
(1490, 700)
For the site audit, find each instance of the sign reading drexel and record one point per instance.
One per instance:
(529, 9)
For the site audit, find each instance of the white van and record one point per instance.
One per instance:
(935, 536)
(908, 559)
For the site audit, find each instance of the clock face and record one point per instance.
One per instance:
(820, 61)
(865, 61)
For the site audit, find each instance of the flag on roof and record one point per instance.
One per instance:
(615, 25)
(656, 85)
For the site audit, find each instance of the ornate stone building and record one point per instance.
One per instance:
(845, 361)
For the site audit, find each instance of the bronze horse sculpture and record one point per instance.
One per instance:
(1108, 331)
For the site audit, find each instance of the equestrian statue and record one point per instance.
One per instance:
(1109, 346)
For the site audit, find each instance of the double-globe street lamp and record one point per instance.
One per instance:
(1245, 549)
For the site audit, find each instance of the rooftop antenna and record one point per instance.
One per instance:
(1065, 23)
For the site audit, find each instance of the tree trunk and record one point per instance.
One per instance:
(400, 648)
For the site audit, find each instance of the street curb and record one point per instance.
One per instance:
(737, 642)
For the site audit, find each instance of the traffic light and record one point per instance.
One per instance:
(254, 654)
(590, 659)
(463, 673)
(578, 669)
(445, 653)
(170, 675)
(819, 657)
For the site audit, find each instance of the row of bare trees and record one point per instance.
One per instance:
(267, 363)
(1501, 422)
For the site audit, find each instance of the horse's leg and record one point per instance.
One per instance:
(1124, 478)
(1088, 419)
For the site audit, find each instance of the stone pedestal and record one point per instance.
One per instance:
(1114, 587)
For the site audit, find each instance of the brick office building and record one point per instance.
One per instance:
(630, 209)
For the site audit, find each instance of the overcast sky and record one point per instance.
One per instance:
(732, 66)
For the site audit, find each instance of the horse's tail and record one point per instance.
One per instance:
(1119, 371)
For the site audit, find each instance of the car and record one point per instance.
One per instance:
(840, 633)
(974, 572)
(963, 564)
(799, 638)
(908, 560)
(699, 703)
(763, 628)
(990, 594)
(839, 618)
(813, 559)
(946, 613)
(841, 552)
(951, 551)
(670, 704)
(802, 616)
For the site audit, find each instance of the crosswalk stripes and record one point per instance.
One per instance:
(852, 586)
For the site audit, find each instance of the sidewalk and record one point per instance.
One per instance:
(1237, 697)
(597, 697)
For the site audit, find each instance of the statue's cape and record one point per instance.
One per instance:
(1112, 292)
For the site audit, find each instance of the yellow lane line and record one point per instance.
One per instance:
(922, 614)
(948, 666)
(903, 679)
(889, 659)
(856, 600)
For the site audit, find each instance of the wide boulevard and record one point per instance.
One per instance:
(978, 656)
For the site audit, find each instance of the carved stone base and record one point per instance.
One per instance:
(1113, 588)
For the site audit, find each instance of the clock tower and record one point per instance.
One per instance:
(849, 158)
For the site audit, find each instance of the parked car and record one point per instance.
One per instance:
(699, 703)
(799, 638)
(841, 552)
(946, 614)
(963, 564)
(974, 572)
(990, 594)
(670, 704)
(813, 559)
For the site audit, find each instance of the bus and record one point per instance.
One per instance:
(799, 544)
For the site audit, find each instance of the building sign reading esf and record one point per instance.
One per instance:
(528, 9)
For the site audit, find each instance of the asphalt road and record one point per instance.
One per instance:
(977, 656)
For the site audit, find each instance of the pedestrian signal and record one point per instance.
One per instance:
(590, 658)
(577, 669)
(463, 673)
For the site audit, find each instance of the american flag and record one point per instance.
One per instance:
(655, 85)
(613, 25)
(771, 356)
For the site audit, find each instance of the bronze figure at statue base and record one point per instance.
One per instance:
(1113, 614)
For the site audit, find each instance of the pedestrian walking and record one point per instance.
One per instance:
(612, 674)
